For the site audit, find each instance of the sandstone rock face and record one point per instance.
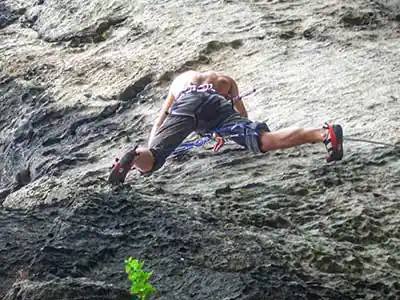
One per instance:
(81, 80)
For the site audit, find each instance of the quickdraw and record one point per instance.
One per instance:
(220, 141)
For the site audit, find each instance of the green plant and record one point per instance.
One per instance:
(140, 284)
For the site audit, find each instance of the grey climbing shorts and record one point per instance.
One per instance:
(203, 112)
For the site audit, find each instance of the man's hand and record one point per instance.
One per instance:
(240, 108)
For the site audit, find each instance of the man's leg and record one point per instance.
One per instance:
(330, 135)
(169, 136)
(290, 137)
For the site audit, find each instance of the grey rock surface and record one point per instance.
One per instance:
(81, 80)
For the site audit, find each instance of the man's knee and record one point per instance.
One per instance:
(253, 136)
(159, 160)
(267, 142)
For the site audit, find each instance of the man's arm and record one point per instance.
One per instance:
(238, 103)
(163, 114)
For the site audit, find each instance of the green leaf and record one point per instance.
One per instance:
(140, 285)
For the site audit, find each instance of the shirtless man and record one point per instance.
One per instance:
(203, 102)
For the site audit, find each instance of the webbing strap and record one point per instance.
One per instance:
(199, 88)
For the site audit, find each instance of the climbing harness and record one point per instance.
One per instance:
(248, 130)
(208, 87)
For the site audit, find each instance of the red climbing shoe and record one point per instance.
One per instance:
(334, 142)
(122, 167)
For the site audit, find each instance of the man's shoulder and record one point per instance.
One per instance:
(181, 81)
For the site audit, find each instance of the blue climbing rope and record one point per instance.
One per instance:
(226, 133)
(190, 145)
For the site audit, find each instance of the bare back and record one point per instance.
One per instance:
(221, 83)
(224, 85)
